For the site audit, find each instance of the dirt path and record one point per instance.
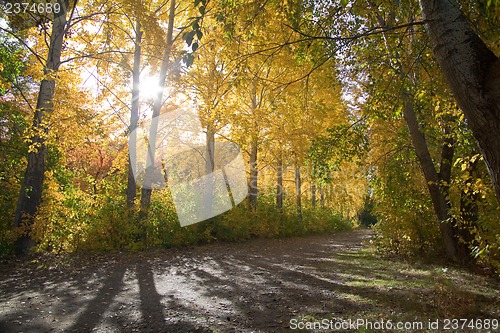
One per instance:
(258, 286)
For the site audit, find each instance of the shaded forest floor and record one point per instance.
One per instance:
(257, 286)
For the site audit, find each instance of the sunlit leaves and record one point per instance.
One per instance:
(194, 33)
(343, 142)
(11, 65)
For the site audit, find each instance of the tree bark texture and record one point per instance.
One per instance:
(435, 180)
(134, 116)
(279, 187)
(157, 104)
(30, 194)
(322, 196)
(472, 72)
(298, 191)
(431, 176)
(313, 195)
(210, 165)
(253, 184)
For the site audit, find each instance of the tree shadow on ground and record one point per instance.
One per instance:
(256, 286)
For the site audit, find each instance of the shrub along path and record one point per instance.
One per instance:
(264, 285)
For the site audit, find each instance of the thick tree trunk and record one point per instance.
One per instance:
(473, 75)
(157, 104)
(298, 191)
(279, 187)
(432, 178)
(253, 185)
(436, 189)
(30, 195)
(134, 116)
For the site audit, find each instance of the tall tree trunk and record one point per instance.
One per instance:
(157, 104)
(431, 176)
(279, 187)
(469, 213)
(434, 180)
(447, 152)
(134, 116)
(210, 150)
(209, 166)
(322, 196)
(30, 194)
(313, 194)
(472, 72)
(253, 190)
(298, 191)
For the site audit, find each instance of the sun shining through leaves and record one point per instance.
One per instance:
(148, 85)
(315, 93)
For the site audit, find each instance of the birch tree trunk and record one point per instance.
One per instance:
(322, 196)
(157, 104)
(313, 195)
(472, 72)
(209, 166)
(134, 115)
(298, 191)
(210, 151)
(30, 194)
(279, 187)
(253, 189)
